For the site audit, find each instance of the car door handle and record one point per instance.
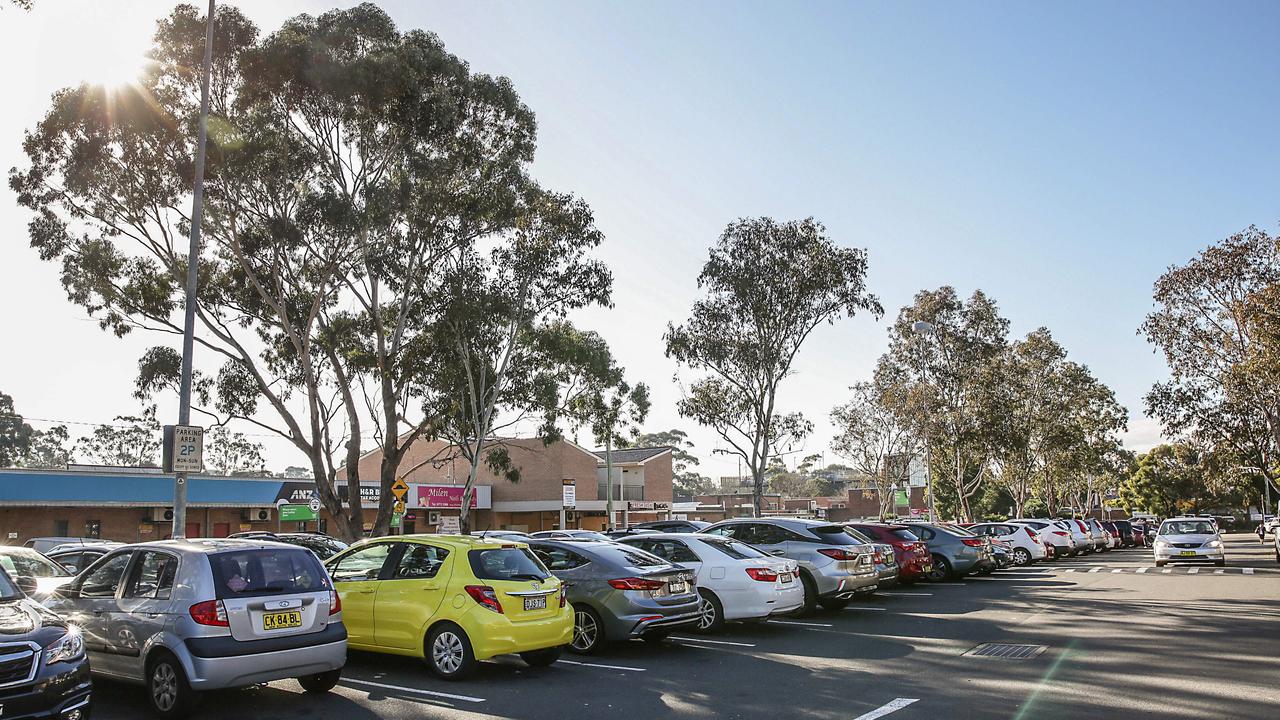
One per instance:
(432, 586)
(154, 615)
(370, 591)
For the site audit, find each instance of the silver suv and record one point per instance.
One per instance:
(834, 565)
(182, 616)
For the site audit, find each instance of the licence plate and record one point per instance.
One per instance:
(538, 602)
(785, 577)
(281, 620)
(1188, 553)
(675, 587)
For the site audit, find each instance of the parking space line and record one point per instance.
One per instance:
(1248, 571)
(416, 691)
(907, 594)
(1143, 569)
(713, 642)
(793, 622)
(1193, 571)
(880, 609)
(1219, 571)
(1166, 571)
(1096, 570)
(1117, 570)
(1071, 569)
(889, 707)
(600, 665)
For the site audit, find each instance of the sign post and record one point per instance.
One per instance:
(400, 489)
(568, 498)
(182, 452)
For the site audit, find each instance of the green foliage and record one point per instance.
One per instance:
(686, 481)
(15, 435)
(874, 438)
(131, 441)
(1166, 480)
(767, 286)
(231, 453)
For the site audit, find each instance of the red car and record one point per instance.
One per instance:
(914, 560)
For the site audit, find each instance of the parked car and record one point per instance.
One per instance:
(1189, 539)
(882, 555)
(322, 545)
(628, 532)
(45, 544)
(1140, 535)
(24, 564)
(1056, 539)
(1026, 547)
(570, 535)
(735, 581)
(515, 535)
(185, 616)
(674, 526)
(1113, 530)
(78, 557)
(834, 565)
(618, 592)
(1081, 539)
(1101, 538)
(1127, 538)
(912, 554)
(500, 600)
(1002, 553)
(43, 669)
(954, 553)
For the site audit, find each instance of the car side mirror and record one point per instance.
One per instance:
(26, 584)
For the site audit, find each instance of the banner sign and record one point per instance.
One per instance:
(450, 497)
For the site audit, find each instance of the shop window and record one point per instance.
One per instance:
(92, 529)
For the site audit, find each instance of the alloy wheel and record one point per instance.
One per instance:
(1021, 556)
(585, 630)
(447, 652)
(164, 687)
(706, 613)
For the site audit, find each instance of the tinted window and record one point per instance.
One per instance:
(20, 562)
(506, 564)
(8, 591)
(1187, 527)
(363, 564)
(420, 561)
(559, 558)
(726, 531)
(73, 562)
(323, 547)
(903, 534)
(629, 556)
(833, 535)
(104, 578)
(735, 549)
(670, 550)
(152, 576)
(858, 535)
(249, 573)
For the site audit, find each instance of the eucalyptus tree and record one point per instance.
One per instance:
(15, 433)
(767, 286)
(874, 439)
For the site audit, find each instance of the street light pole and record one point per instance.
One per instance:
(193, 254)
(922, 328)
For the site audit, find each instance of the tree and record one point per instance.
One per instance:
(132, 441)
(940, 379)
(1166, 480)
(50, 449)
(228, 453)
(686, 482)
(15, 434)
(768, 285)
(872, 437)
(611, 408)
(785, 482)
(346, 161)
(1215, 324)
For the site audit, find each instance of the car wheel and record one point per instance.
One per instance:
(1021, 556)
(710, 612)
(588, 631)
(449, 653)
(810, 595)
(320, 682)
(1160, 563)
(168, 691)
(941, 569)
(1219, 563)
(540, 658)
(833, 603)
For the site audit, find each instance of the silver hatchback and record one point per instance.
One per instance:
(183, 616)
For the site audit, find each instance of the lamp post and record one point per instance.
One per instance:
(922, 328)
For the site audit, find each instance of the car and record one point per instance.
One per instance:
(1055, 538)
(1127, 537)
(1081, 539)
(1189, 539)
(618, 592)
(502, 535)
(570, 535)
(78, 557)
(834, 565)
(45, 575)
(912, 555)
(998, 554)
(735, 581)
(185, 616)
(954, 552)
(628, 532)
(883, 556)
(1276, 540)
(45, 544)
(1098, 534)
(451, 600)
(44, 672)
(1026, 547)
(322, 545)
(1139, 532)
(674, 526)
(1002, 553)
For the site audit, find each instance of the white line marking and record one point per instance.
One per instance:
(1143, 569)
(1117, 570)
(1193, 571)
(401, 688)
(598, 665)
(1071, 569)
(793, 622)
(892, 706)
(1096, 570)
(1219, 571)
(1248, 571)
(1166, 571)
(713, 642)
(864, 608)
(907, 594)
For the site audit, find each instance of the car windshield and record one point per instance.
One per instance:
(1186, 527)
(837, 535)
(627, 555)
(254, 572)
(858, 534)
(903, 534)
(20, 562)
(323, 547)
(734, 549)
(8, 591)
(508, 563)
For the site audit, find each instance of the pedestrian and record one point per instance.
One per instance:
(1262, 532)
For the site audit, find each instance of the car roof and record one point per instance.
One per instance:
(458, 542)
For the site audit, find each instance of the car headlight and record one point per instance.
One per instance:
(68, 647)
(1214, 544)
(1161, 543)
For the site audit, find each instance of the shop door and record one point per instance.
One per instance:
(221, 529)
(193, 529)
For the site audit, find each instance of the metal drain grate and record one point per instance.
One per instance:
(1007, 651)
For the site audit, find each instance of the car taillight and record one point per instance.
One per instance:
(631, 583)
(1061, 533)
(972, 542)
(1032, 534)
(839, 553)
(210, 612)
(335, 603)
(485, 595)
(562, 597)
(762, 574)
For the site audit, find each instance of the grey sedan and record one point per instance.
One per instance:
(955, 552)
(619, 592)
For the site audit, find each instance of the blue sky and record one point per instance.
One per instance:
(1057, 156)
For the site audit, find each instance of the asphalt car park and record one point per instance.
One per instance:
(1090, 637)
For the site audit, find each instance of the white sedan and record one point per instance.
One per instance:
(1188, 539)
(1027, 545)
(736, 581)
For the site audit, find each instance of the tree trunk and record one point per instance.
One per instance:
(464, 513)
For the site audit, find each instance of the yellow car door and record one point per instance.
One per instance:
(411, 594)
(356, 576)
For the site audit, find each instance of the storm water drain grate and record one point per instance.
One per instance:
(1007, 651)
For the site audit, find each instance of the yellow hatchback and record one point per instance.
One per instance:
(452, 600)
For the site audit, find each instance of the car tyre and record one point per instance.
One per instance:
(540, 658)
(1160, 563)
(168, 691)
(1219, 563)
(810, 595)
(710, 612)
(320, 682)
(588, 630)
(448, 652)
(941, 569)
(1021, 556)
